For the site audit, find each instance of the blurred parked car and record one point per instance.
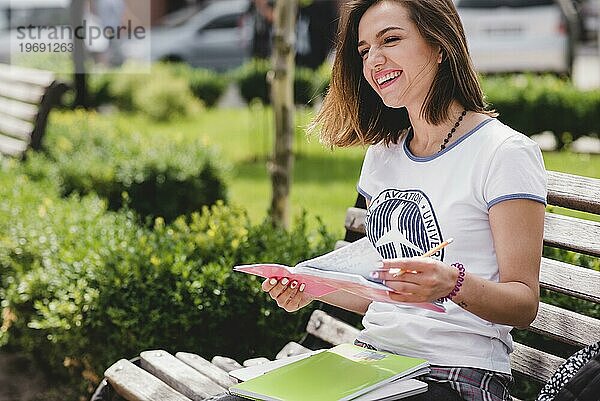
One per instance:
(518, 35)
(216, 36)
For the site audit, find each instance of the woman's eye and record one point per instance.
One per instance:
(363, 52)
(391, 39)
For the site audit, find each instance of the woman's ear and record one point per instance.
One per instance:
(441, 55)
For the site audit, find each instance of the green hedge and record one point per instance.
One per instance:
(252, 81)
(156, 175)
(532, 104)
(173, 88)
(82, 286)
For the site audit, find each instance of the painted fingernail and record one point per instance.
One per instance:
(301, 287)
(374, 274)
(284, 281)
(294, 284)
(273, 281)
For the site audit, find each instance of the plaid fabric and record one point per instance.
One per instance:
(471, 384)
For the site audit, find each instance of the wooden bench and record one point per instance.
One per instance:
(26, 98)
(157, 375)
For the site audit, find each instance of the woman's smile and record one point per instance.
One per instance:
(387, 78)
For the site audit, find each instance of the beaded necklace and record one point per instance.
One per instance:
(453, 130)
(411, 132)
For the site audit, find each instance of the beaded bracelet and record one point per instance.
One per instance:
(459, 282)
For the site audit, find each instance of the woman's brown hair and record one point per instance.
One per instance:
(353, 113)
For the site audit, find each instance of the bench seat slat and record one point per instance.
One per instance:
(11, 146)
(179, 375)
(209, 370)
(15, 128)
(291, 349)
(135, 384)
(225, 363)
(22, 111)
(330, 329)
(574, 192)
(566, 326)
(533, 363)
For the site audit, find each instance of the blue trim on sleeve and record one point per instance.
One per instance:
(516, 196)
(363, 193)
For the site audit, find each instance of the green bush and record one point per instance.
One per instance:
(83, 287)
(252, 81)
(206, 85)
(121, 86)
(161, 94)
(165, 100)
(156, 175)
(533, 104)
(99, 89)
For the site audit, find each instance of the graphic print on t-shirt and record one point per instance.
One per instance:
(402, 223)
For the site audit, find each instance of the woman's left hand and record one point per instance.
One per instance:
(421, 279)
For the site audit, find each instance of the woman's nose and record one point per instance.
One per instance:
(375, 58)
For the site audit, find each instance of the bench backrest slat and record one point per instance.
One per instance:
(572, 233)
(21, 92)
(572, 280)
(574, 192)
(20, 110)
(15, 128)
(29, 76)
(534, 363)
(11, 146)
(559, 231)
(566, 326)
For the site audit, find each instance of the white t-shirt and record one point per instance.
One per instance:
(416, 203)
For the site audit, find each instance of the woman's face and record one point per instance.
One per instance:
(397, 62)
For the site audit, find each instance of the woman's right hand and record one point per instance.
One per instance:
(289, 295)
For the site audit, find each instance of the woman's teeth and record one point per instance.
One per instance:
(388, 77)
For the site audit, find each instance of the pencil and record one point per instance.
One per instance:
(395, 272)
(437, 248)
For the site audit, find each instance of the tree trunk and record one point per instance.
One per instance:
(282, 98)
(79, 77)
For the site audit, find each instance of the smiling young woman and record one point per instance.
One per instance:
(352, 114)
(439, 165)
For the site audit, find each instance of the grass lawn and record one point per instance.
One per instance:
(324, 182)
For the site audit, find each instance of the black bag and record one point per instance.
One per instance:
(577, 379)
(585, 385)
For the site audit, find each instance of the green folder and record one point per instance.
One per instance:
(341, 373)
